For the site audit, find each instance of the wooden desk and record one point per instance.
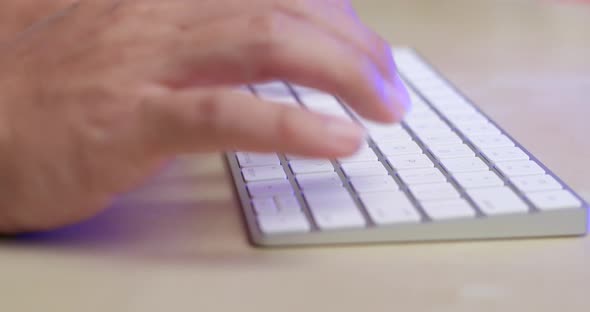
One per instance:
(178, 243)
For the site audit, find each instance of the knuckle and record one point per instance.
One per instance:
(266, 28)
(102, 119)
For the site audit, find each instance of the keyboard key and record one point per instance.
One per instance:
(324, 103)
(467, 164)
(311, 166)
(283, 224)
(520, 168)
(462, 117)
(335, 220)
(420, 115)
(302, 91)
(536, 183)
(287, 204)
(379, 127)
(337, 199)
(491, 141)
(393, 136)
(417, 72)
(374, 184)
(399, 148)
(448, 209)
(416, 161)
(274, 88)
(470, 180)
(434, 191)
(453, 105)
(269, 188)
(390, 208)
(441, 139)
(334, 210)
(452, 151)
(441, 93)
(420, 110)
(386, 132)
(277, 205)
(264, 173)
(275, 92)
(298, 157)
(265, 206)
(501, 154)
(478, 129)
(366, 153)
(319, 181)
(360, 169)
(256, 160)
(320, 102)
(427, 126)
(553, 200)
(448, 102)
(338, 112)
(497, 201)
(421, 176)
(429, 83)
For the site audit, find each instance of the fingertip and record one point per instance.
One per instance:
(397, 99)
(325, 136)
(343, 137)
(388, 100)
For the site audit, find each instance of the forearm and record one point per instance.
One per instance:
(17, 15)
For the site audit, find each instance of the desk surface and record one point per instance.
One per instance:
(178, 242)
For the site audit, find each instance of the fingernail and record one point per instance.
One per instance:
(340, 130)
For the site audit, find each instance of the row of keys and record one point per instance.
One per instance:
(494, 199)
(336, 210)
(406, 154)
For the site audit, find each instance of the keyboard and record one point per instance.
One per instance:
(447, 172)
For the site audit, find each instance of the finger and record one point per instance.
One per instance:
(279, 46)
(184, 122)
(338, 18)
(335, 17)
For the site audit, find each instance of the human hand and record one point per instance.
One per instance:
(95, 99)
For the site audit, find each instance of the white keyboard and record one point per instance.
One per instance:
(446, 173)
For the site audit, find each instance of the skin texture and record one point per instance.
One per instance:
(96, 97)
(17, 15)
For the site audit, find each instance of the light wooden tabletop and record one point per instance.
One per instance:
(178, 243)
